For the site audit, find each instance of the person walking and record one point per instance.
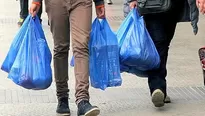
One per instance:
(161, 27)
(75, 17)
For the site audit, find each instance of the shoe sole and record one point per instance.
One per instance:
(158, 98)
(92, 112)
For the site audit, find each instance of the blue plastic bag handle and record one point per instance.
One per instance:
(105, 23)
(135, 14)
(98, 26)
(94, 25)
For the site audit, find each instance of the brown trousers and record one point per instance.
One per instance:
(75, 17)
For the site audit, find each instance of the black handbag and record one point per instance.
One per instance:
(153, 6)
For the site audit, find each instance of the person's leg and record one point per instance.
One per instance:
(162, 28)
(59, 25)
(81, 19)
(161, 31)
(23, 11)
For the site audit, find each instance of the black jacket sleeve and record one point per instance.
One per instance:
(98, 2)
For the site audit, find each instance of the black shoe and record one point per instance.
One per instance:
(86, 109)
(63, 107)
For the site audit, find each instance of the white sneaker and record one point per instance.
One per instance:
(158, 98)
(167, 99)
(109, 2)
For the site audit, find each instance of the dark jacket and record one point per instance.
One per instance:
(97, 2)
(190, 13)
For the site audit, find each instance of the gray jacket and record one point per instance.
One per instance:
(189, 14)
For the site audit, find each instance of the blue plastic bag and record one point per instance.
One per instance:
(72, 62)
(14, 48)
(31, 68)
(103, 56)
(138, 53)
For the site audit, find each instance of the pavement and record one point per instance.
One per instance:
(185, 79)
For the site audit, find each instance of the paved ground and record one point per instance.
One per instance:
(185, 82)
